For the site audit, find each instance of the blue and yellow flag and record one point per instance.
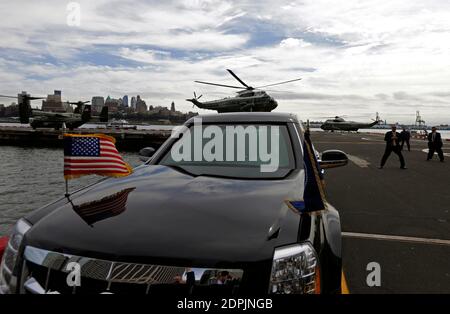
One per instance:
(314, 195)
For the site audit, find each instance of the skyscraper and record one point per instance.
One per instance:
(133, 103)
(172, 107)
(125, 101)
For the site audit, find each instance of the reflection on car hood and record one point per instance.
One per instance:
(160, 214)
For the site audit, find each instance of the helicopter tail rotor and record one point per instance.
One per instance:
(195, 101)
(195, 96)
(79, 106)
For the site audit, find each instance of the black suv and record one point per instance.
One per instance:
(191, 226)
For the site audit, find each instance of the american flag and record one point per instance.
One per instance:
(107, 207)
(92, 154)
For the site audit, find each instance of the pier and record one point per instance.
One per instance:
(126, 139)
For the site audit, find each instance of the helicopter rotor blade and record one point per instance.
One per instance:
(333, 117)
(222, 85)
(279, 83)
(238, 79)
(79, 102)
(24, 96)
(199, 97)
(401, 114)
(276, 91)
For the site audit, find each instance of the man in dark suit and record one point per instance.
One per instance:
(392, 139)
(435, 144)
(405, 135)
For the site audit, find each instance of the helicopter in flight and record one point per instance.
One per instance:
(338, 123)
(248, 99)
(47, 119)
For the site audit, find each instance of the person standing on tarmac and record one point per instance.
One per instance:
(435, 144)
(405, 135)
(392, 139)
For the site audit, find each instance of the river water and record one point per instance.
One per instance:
(33, 177)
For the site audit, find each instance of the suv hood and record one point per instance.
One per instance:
(166, 217)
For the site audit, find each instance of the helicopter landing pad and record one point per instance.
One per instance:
(399, 219)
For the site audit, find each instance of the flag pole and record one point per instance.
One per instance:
(67, 188)
(67, 181)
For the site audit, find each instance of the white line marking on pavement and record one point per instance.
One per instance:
(395, 238)
(358, 161)
(425, 150)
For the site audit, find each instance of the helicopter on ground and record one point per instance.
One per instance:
(338, 123)
(47, 119)
(248, 99)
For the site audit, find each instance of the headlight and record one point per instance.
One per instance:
(8, 273)
(295, 270)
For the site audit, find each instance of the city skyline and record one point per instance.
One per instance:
(355, 58)
(97, 100)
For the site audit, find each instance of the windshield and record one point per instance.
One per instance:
(233, 150)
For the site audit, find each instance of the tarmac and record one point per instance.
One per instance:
(397, 218)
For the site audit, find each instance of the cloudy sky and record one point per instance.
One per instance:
(356, 57)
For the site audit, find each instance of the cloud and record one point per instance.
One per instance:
(293, 43)
(358, 56)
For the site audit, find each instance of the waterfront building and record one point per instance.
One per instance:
(97, 103)
(54, 103)
(141, 106)
(113, 104)
(12, 110)
(172, 107)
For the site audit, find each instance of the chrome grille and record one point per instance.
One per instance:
(46, 272)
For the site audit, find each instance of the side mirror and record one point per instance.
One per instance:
(333, 158)
(146, 153)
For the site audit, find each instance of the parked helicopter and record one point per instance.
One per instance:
(249, 99)
(46, 119)
(338, 123)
